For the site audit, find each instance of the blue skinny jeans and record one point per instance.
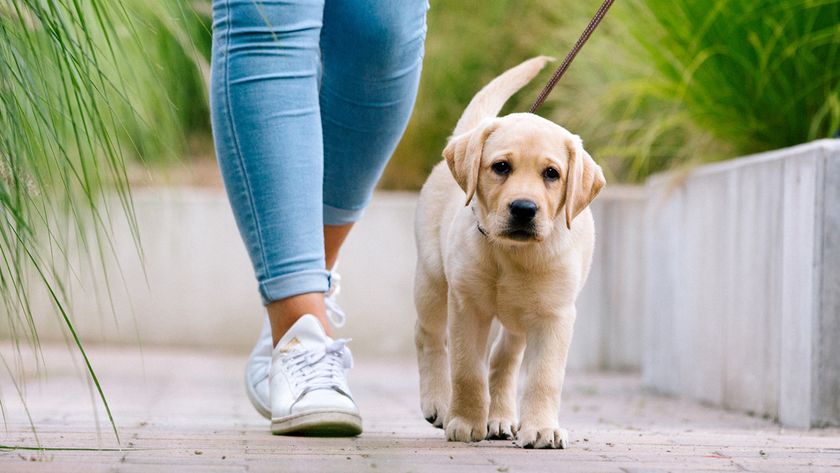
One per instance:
(309, 99)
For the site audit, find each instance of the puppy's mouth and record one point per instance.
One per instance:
(520, 234)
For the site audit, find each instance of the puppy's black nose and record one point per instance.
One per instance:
(523, 209)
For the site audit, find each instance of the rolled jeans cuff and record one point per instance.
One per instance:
(337, 216)
(288, 285)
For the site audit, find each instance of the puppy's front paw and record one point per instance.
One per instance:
(500, 429)
(434, 410)
(543, 438)
(459, 429)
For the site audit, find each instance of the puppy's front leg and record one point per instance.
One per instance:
(546, 351)
(468, 332)
(504, 371)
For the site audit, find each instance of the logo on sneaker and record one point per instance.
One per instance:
(292, 343)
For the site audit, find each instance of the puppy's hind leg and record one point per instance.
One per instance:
(430, 339)
(504, 373)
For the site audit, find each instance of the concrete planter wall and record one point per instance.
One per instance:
(609, 329)
(198, 288)
(742, 284)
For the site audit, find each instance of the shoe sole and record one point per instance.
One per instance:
(255, 400)
(323, 423)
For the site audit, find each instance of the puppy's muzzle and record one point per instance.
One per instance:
(521, 222)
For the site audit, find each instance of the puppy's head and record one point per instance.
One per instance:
(526, 173)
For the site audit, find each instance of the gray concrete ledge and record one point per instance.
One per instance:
(742, 284)
(196, 287)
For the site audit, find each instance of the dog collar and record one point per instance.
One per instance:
(477, 223)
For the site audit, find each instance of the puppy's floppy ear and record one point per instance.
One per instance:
(463, 155)
(584, 179)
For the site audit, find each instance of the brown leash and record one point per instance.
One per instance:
(596, 20)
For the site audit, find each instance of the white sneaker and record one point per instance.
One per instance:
(257, 371)
(308, 383)
(259, 362)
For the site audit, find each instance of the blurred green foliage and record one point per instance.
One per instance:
(660, 84)
(170, 66)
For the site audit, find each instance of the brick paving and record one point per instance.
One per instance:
(186, 411)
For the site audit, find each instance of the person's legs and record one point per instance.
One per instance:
(268, 145)
(267, 127)
(372, 52)
(266, 123)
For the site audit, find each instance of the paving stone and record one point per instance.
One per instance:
(186, 411)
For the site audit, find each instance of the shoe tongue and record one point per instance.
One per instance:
(307, 332)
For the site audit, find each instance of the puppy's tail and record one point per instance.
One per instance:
(489, 100)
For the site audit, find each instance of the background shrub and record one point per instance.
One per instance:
(660, 85)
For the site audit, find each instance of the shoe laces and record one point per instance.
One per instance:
(334, 312)
(320, 367)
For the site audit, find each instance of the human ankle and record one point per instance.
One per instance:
(282, 314)
(334, 236)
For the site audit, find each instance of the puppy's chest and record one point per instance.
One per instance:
(521, 296)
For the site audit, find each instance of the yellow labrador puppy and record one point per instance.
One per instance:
(518, 251)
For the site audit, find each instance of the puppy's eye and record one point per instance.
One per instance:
(551, 174)
(501, 168)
